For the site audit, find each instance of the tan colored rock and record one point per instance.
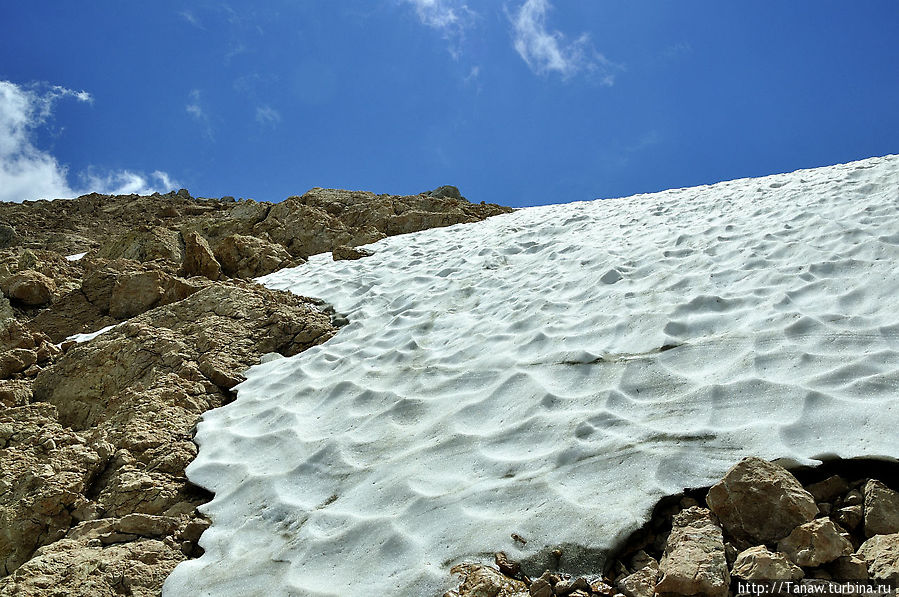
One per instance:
(198, 258)
(881, 553)
(83, 569)
(484, 581)
(15, 392)
(815, 543)
(145, 243)
(828, 489)
(15, 361)
(694, 562)
(757, 563)
(137, 292)
(30, 288)
(881, 509)
(251, 257)
(849, 517)
(641, 583)
(343, 252)
(760, 502)
(46, 471)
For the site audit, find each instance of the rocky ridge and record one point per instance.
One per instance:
(757, 524)
(95, 436)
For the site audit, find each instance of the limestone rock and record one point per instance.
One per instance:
(641, 583)
(30, 287)
(89, 569)
(881, 509)
(6, 310)
(760, 501)
(815, 543)
(849, 517)
(343, 252)
(881, 552)
(445, 191)
(828, 489)
(145, 244)
(135, 293)
(46, 470)
(198, 258)
(483, 581)
(757, 563)
(694, 562)
(250, 257)
(16, 361)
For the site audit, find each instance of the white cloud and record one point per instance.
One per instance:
(450, 17)
(194, 107)
(191, 18)
(126, 182)
(29, 172)
(266, 115)
(547, 51)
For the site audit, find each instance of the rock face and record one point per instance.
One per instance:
(694, 562)
(760, 502)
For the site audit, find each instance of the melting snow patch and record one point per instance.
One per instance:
(91, 335)
(551, 373)
(76, 256)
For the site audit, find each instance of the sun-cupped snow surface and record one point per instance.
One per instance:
(551, 373)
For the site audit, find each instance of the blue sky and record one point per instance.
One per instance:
(519, 102)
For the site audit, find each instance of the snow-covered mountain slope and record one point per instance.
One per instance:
(551, 373)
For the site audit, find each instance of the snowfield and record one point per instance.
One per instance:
(552, 373)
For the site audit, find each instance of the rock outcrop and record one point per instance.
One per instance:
(95, 437)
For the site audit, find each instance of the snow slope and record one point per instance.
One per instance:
(552, 373)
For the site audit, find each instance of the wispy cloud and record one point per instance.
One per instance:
(29, 172)
(266, 115)
(547, 51)
(194, 107)
(452, 18)
(191, 18)
(127, 182)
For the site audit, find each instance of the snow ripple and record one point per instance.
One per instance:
(551, 373)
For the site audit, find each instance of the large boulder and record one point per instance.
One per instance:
(881, 552)
(146, 243)
(30, 288)
(881, 509)
(199, 259)
(694, 561)
(760, 502)
(250, 257)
